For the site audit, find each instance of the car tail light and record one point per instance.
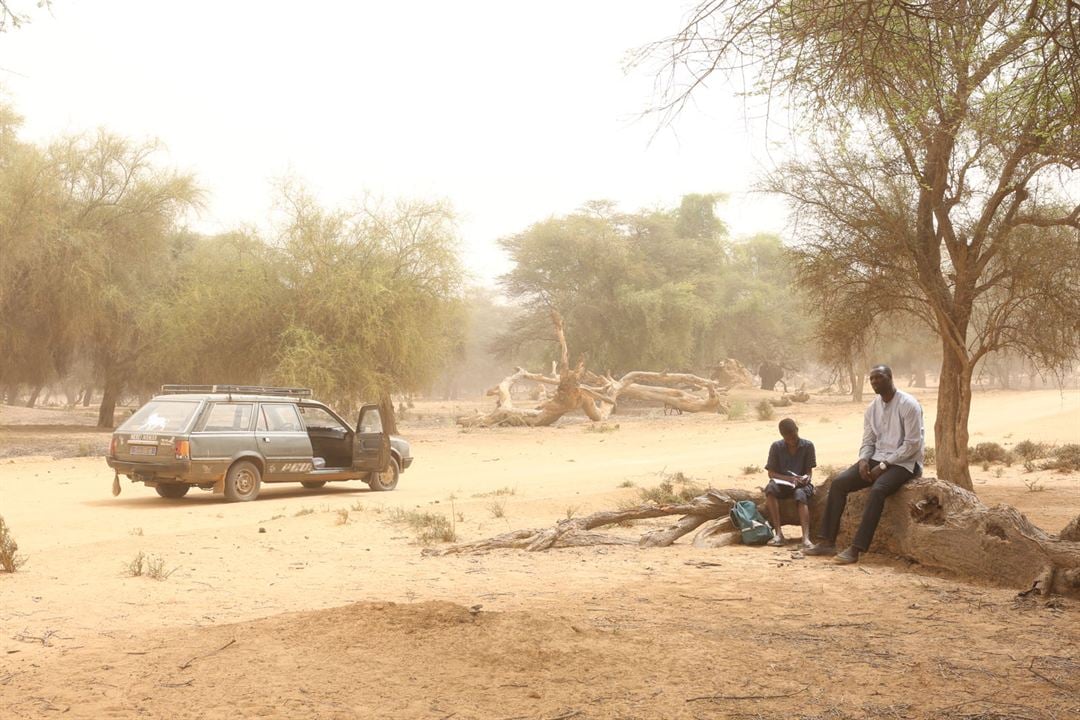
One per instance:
(183, 449)
(112, 447)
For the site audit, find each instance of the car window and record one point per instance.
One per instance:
(226, 416)
(279, 417)
(319, 418)
(370, 421)
(167, 416)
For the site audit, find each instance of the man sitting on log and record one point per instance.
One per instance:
(791, 466)
(891, 454)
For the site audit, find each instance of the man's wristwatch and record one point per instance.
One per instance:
(882, 466)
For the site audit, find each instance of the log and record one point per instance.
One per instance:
(931, 522)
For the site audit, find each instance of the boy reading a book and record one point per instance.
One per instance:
(791, 467)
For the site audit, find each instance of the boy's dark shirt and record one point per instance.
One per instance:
(781, 461)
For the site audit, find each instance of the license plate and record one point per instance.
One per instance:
(144, 450)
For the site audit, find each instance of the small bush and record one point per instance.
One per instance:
(764, 410)
(10, 559)
(989, 452)
(1064, 459)
(737, 410)
(626, 484)
(136, 531)
(85, 449)
(1029, 450)
(750, 469)
(666, 493)
(342, 516)
(498, 493)
(137, 566)
(429, 527)
(601, 428)
(155, 568)
(303, 511)
(571, 511)
(1034, 486)
(929, 456)
(1029, 466)
(497, 508)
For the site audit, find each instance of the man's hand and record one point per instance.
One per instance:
(875, 473)
(864, 470)
(802, 481)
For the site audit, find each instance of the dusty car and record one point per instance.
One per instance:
(233, 438)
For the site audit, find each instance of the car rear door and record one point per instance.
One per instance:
(283, 441)
(371, 444)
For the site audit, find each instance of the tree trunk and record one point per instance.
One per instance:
(919, 377)
(88, 395)
(111, 393)
(856, 378)
(951, 427)
(386, 412)
(34, 394)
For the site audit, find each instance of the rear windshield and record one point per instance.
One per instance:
(167, 416)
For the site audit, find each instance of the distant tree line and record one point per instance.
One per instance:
(103, 285)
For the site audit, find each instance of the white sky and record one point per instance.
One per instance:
(513, 112)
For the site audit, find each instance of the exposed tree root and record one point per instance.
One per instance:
(929, 521)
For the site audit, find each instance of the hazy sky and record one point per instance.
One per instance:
(511, 111)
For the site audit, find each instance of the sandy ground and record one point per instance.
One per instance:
(278, 608)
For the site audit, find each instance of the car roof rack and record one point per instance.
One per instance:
(237, 389)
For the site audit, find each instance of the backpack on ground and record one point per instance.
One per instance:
(750, 524)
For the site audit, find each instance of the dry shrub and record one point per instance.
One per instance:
(429, 527)
(601, 428)
(929, 455)
(673, 488)
(1064, 459)
(764, 410)
(989, 452)
(751, 469)
(10, 559)
(1029, 450)
(497, 508)
(342, 516)
(737, 410)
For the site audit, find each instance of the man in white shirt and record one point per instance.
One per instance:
(891, 454)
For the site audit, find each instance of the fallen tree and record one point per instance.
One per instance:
(597, 396)
(930, 522)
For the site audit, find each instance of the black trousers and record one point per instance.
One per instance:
(850, 481)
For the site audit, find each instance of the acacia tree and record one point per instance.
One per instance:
(946, 138)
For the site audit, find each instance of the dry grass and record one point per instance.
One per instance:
(497, 509)
(429, 527)
(601, 428)
(151, 566)
(342, 516)
(673, 488)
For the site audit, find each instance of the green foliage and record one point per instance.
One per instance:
(654, 289)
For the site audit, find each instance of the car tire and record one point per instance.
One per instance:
(313, 484)
(242, 482)
(173, 491)
(387, 479)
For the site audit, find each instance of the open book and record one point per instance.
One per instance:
(789, 483)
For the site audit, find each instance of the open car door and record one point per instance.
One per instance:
(371, 444)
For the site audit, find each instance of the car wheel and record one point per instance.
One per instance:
(313, 484)
(387, 479)
(174, 491)
(242, 482)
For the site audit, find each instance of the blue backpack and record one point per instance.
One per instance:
(749, 522)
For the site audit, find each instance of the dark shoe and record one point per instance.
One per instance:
(820, 549)
(851, 555)
(777, 541)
